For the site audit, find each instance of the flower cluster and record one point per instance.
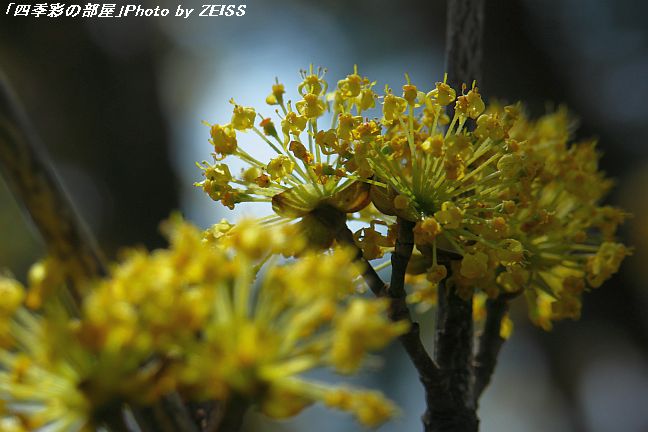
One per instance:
(213, 317)
(500, 203)
(314, 167)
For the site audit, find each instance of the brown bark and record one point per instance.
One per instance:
(456, 411)
(464, 35)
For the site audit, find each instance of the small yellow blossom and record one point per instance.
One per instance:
(243, 118)
(371, 408)
(433, 145)
(351, 86)
(276, 97)
(474, 266)
(436, 273)
(346, 124)
(293, 124)
(311, 106)
(426, 230)
(280, 167)
(223, 138)
(605, 263)
(393, 107)
(359, 329)
(471, 104)
(12, 294)
(443, 94)
(450, 216)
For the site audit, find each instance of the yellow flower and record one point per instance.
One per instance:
(315, 170)
(372, 242)
(436, 273)
(311, 106)
(293, 124)
(450, 216)
(243, 118)
(256, 344)
(474, 266)
(12, 294)
(351, 86)
(44, 372)
(216, 182)
(193, 319)
(346, 124)
(276, 97)
(362, 327)
(371, 408)
(471, 105)
(410, 94)
(393, 107)
(513, 196)
(443, 94)
(223, 138)
(313, 82)
(280, 167)
(605, 263)
(433, 145)
(426, 230)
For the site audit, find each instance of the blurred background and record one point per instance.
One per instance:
(119, 105)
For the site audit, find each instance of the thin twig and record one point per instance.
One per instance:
(490, 342)
(411, 341)
(373, 280)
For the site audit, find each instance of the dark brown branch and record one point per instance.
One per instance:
(31, 178)
(113, 418)
(167, 415)
(454, 332)
(400, 257)
(411, 341)
(453, 354)
(373, 280)
(490, 342)
(400, 311)
(232, 416)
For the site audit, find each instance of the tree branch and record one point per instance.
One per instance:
(490, 342)
(400, 311)
(32, 180)
(454, 332)
(373, 280)
(465, 27)
(427, 370)
(453, 354)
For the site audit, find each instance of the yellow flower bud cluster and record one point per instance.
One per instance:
(12, 294)
(191, 319)
(513, 197)
(313, 168)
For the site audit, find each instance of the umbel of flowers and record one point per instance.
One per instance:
(500, 203)
(213, 317)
